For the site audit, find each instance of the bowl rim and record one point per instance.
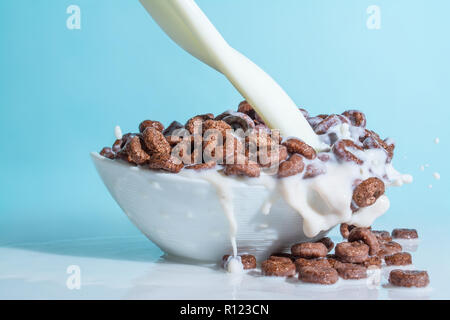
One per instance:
(236, 181)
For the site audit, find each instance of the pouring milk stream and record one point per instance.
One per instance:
(190, 28)
(322, 202)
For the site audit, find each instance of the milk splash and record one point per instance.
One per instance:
(323, 201)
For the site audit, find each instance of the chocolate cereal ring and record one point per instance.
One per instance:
(373, 262)
(237, 120)
(352, 252)
(150, 123)
(117, 146)
(333, 260)
(345, 229)
(302, 262)
(367, 192)
(398, 259)
(193, 123)
(340, 149)
(314, 121)
(366, 236)
(173, 165)
(382, 235)
(409, 278)
(309, 250)
(297, 146)
(282, 258)
(351, 271)
(276, 255)
(278, 266)
(249, 170)
(135, 152)
(372, 140)
(320, 275)
(269, 158)
(216, 126)
(327, 242)
(357, 118)
(388, 248)
(405, 234)
(108, 153)
(294, 165)
(246, 108)
(329, 122)
(157, 145)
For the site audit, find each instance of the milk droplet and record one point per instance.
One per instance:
(407, 178)
(430, 186)
(437, 176)
(436, 140)
(118, 132)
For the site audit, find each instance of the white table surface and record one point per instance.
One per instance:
(131, 268)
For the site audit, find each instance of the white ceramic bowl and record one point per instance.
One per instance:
(183, 216)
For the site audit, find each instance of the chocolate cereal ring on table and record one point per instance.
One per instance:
(398, 259)
(388, 248)
(405, 234)
(352, 252)
(319, 275)
(309, 250)
(345, 229)
(302, 262)
(409, 278)
(278, 266)
(351, 271)
(366, 236)
(382, 235)
(327, 242)
(373, 262)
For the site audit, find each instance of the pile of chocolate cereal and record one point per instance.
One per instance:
(363, 249)
(244, 146)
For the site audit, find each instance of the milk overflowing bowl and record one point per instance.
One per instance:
(204, 214)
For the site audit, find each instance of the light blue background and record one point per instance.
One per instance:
(63, 91)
